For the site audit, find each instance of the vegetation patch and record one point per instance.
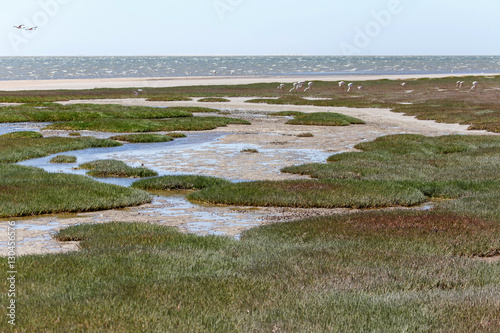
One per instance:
(415, 158)
(373, 271)
(168, 98)
(324, 119)
(176, 135)
(147, 125)
(311, 194)
(63, 159)
(183, 182)
(142, 138)
(114, 168)
(13, 150)
(28, 191)
(85, 112)
(23, 135)
(305, 135)
(213, 99)
(286, 113)
(249, 150)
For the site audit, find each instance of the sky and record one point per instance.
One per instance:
(249, 27)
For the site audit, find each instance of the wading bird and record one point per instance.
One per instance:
(349, 86)
(341, 84)
(295, 87)
(474, 84)
(281, 86)
(309, 85)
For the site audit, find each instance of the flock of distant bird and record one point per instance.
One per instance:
(23, 27)
(298, 85)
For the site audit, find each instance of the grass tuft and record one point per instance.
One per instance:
(114, 168)
(142, 138)
(183, 182)
(63, 159)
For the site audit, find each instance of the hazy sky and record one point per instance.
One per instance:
(250, 27)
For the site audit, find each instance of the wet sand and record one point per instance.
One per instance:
(277, 145)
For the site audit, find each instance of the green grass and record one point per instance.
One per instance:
(26, 191)
(176, 135)
(63, 159)
(114, 168)
(286, 113)
(413, 157)
(147, 125)
(396, 170)
(183, 182)
(142, 138)
(81, 112)
(23, 135)
(311, 194)
(367, 272)
(324, 119)
(213, 99)
(19, 149)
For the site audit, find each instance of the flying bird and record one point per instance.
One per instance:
(30, 29)
(19, 26)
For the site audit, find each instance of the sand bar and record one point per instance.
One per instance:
(157, 82)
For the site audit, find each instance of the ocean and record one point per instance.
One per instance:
(47, 68)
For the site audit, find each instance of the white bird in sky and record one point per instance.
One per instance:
(349, 86)
(19, 26)
(29, 29)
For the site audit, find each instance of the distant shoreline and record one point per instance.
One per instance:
(159, 82)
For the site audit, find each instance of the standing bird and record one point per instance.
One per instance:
(295, 87)
(341, 84)
(403, 84)
(474, 84)
(309, 85)
(349, 86)
(360, 87)
(281, 86)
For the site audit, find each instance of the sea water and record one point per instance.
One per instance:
(46, 68)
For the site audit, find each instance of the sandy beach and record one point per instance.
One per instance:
(277, 143)
(158, 82)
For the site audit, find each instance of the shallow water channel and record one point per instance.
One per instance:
(166, 208)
